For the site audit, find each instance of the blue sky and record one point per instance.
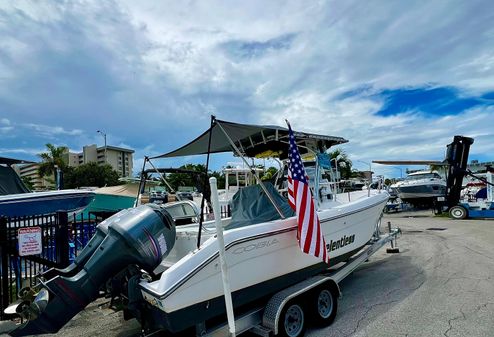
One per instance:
(398, 79)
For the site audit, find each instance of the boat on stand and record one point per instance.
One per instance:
(421, 188)
(171, 273)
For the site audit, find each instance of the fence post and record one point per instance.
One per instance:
(62, 239)
(4, 270)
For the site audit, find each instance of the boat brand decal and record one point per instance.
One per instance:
(254, 246)
(345, 240)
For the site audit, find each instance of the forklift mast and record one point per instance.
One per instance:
(457, 160)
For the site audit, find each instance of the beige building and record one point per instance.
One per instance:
(30, 171)
(119, 158)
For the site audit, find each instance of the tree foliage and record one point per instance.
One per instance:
(28, 182)
(344, 163)
(54, 156)
(185, 179)
(269, 174)
(91, 174)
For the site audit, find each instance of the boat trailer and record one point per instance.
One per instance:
(283, 313)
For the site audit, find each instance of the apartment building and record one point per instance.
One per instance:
(119, 158)
(30, 171)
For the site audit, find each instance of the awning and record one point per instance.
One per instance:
(253, 141)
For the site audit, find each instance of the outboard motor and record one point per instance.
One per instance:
(140, 236)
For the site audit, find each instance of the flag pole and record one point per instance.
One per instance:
(221, 249)
(201, 219)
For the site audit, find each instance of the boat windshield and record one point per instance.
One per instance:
(311, 172)
(424, 176)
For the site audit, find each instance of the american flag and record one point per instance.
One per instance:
(309, 234)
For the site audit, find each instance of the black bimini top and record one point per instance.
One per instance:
(257, 141)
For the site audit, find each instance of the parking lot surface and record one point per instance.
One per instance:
(440, 284)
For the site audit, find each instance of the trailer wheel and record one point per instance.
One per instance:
(324, 305)
(458, 212)
(292, 321)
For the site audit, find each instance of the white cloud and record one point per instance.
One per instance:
(5, 129)
(150, 73)
(47, 130)
(26, 151)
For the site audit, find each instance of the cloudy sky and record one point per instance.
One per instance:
(397, 78)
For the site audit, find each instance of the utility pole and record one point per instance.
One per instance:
(104, 136)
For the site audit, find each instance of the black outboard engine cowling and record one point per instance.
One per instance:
(140, 236)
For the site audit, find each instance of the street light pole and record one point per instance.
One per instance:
(370, 170)
(104, 136)
(399, 168)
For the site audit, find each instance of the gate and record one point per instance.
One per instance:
(61, 239)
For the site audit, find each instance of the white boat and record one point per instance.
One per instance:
(242, 176)
(262, 251)
(184, 289)
(421, 188)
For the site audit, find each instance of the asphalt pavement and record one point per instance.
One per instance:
(440, 284)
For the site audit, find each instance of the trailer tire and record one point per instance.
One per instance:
(292, 321)
(324, 305)
(458, 212)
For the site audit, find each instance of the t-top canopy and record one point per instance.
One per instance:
(253, 141)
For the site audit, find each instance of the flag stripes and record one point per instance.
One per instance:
(309, 233)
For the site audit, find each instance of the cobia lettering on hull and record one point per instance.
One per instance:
(253, 246)
(345, 240)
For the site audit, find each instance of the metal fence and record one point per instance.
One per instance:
(61, 239)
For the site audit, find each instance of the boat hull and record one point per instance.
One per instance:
(262, 259)
(422, 195)
(36, 203)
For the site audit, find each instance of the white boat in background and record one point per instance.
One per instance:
(421, 188)
(241, 175)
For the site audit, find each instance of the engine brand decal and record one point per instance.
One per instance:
(162, 243)
(345, 240)
(154, 246)
(254, 246)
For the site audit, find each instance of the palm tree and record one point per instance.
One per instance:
(51, 159)
(344, 163)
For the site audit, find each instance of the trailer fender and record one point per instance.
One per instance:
(275, 305)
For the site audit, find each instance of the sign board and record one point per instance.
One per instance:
(29, 241)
